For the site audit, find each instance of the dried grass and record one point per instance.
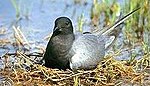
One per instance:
(109, 72)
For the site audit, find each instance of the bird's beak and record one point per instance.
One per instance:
(57, 29)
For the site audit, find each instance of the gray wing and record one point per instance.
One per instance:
(88, 50)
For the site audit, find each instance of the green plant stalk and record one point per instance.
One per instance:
(14, 3)
(80, 23)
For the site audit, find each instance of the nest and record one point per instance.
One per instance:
(109, 72)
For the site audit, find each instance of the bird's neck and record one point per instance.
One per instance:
(65, 38)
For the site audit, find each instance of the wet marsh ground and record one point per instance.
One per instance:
(25, 27)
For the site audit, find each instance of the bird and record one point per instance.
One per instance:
(67, 50)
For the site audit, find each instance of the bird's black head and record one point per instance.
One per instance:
(63, 25)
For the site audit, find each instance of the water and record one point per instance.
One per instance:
(37, 18)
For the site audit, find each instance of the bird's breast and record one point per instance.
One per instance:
(61, 45)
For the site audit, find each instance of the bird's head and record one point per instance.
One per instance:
(63, 25)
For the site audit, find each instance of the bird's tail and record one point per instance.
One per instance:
(117, 23)
(111, 31)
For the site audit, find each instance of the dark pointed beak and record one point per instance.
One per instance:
(57, 29)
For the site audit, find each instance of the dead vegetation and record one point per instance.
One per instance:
(109, 72)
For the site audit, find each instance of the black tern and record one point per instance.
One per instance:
(66, 50)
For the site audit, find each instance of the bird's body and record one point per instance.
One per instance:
(68, 50)
(88, 51)
(57, 51)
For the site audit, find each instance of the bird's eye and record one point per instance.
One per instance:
(67, 23)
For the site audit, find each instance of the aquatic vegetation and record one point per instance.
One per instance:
(17, 8)
(138, 25)
(80, 23)
(104, 9)
(21, 8)
(20, 38)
